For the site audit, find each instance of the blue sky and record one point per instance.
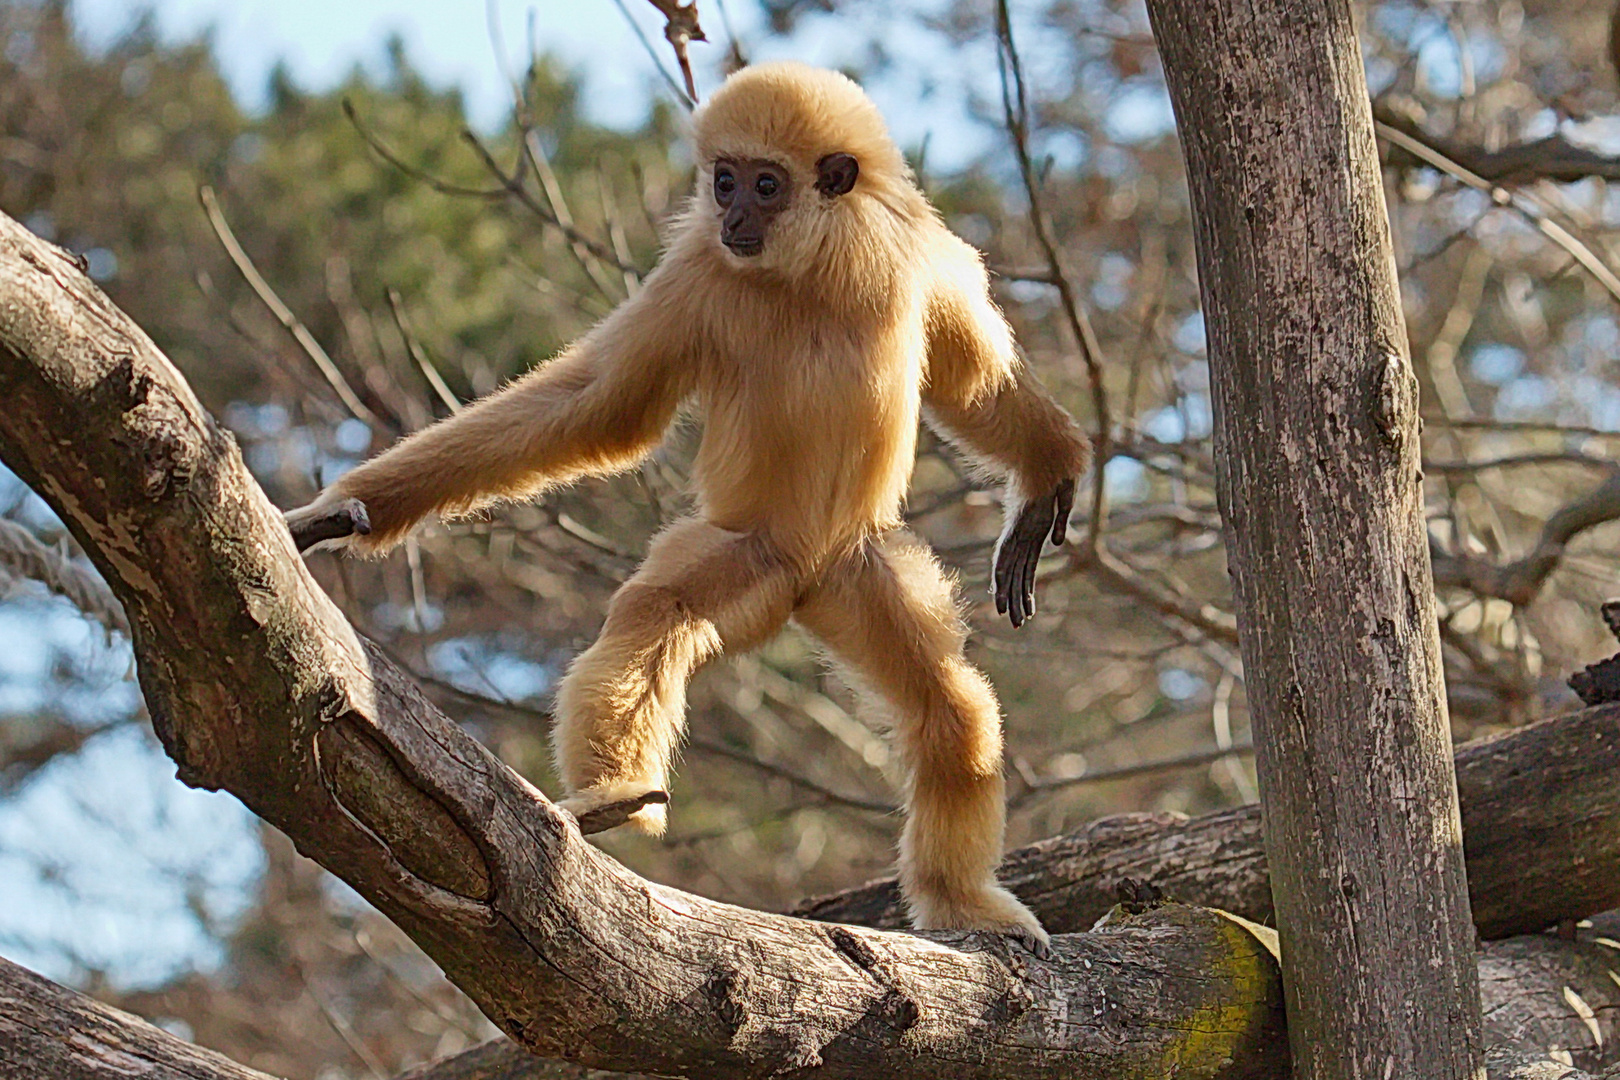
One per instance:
(449, 39)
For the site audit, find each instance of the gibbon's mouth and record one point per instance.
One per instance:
(746, 248)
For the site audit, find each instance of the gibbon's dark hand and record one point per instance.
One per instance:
(312, 524)
(1020, 550)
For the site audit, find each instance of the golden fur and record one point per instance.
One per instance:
(812, 363)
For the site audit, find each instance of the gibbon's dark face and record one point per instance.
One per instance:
(751, 193)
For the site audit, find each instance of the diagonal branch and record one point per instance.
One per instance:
(1520, 581)
(1552, 158)
(567, 952)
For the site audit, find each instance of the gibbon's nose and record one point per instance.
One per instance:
(742, 232)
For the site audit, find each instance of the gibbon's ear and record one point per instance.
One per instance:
(836, 173)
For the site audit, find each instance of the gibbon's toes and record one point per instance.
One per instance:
(1036, 941)
(316, 524)
(599, 811)
(994, 909)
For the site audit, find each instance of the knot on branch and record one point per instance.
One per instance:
(896, 1008)
(1395, 399)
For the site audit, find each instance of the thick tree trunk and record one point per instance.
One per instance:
(1317, 462)
(1541, 831)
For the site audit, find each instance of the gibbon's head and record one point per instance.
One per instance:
(794, 163)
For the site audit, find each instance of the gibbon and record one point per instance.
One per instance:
(814, 305)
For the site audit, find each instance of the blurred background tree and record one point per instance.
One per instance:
(425, 263)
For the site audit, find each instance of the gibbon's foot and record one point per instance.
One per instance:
(600, 809)
(316, 524)
(994, 909)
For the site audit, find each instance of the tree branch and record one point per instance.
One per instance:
(49, 1031)
(1552, 158)
(1536, 853)
(568, 953)
(1520, 581)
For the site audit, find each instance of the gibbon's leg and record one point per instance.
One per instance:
(889, 614)
(621, 707)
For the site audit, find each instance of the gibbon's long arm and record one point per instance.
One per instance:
(599, 407)
(982, 397)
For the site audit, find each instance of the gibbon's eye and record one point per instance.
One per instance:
(766, 186)
(725, 184)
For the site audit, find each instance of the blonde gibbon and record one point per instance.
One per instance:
(814, 306)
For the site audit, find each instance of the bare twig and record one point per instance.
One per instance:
(1124, 772)
(1205, 618)
(341, 1025)
(361, 335)
(414, 347)
(511, 184)
(1520, 581)
(1015, 107)
(782, 772)
(516, 188)
(23, 555)
(680, 28)
(1514, 461)
(442, 186)
(281, 311)
(1527, 207)
(687, 101)
(583, 253)
(1553, 158)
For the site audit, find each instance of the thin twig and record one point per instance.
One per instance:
(344, 1029)
(1519, 582)
(450, 1016)
(1125, 772)
(23, 555)
(281, 311)
(1529, 426)
(511, 184)
(414, 347)
(1015, 106)
(361, 336)
(1513, 461)
(1529, 208)
(443, 187)
(535, 155)
(681, 28)
(1206, 618)
(781, 772)
(687, 101)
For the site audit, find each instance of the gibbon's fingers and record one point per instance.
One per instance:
(615, 814)
(311, 525)
(1032, 560)
(1019, 552)
(1065, 507)
(1000, 572)
(1015, 595)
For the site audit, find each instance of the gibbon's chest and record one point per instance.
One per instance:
(795, 360)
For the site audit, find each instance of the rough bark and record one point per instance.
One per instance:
(1541, 832)
(1317, 463)
(1543, 996)
(257, 686)
(48, 1031)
